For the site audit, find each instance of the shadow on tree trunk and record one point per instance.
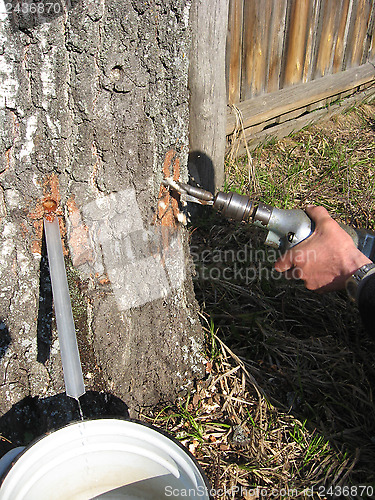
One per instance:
(44, 325)
(4, 338)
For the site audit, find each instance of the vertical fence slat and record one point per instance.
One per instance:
(330, 17)
(371, 54)
(338, 56)
(234, 50)
(357, 32)
(372, 45)
(313, 34)
(369, 35)
(362, 22)
(256, 14)
(296, 42)
(248, 43)
(352, 6)
(261, 56)
(276, 42)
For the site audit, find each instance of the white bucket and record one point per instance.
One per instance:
(104, 458)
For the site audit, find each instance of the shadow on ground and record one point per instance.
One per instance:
(33, 417)
(307, 352)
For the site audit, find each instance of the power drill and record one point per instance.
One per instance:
(286, 228)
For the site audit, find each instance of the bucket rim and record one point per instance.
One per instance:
(105, 418)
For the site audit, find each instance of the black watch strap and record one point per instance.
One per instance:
(354, 282)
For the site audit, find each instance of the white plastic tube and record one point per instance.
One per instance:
(72, 369)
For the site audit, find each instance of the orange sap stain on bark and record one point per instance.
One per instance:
(168, 209)
(49, 206)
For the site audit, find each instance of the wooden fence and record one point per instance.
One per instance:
(287, 57)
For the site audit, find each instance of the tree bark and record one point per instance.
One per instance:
(94, 113)
(208, 100)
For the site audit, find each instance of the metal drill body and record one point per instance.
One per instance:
(286, 228)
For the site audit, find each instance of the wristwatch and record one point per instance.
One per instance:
(354, 282)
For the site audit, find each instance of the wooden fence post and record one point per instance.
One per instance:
(208, 100)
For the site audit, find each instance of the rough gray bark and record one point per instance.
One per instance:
(91, 103)
(209, 25)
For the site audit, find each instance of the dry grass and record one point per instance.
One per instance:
(330, 164)
(287, 402)
(244, 443)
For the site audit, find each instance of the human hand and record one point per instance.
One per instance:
(325, 259)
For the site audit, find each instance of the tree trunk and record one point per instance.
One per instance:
(208, 100)
(94, 113)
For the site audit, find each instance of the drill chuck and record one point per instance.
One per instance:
(234, 206)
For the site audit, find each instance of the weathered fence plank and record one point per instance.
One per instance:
(296, 41)
(312, 38)
(273, 44)
(256, 15)
(234, 50)
(278, 131)
(369, 35)
(330, 17)
(338, 56)
(357, 33)
(266, 107)
(276, 42)
(371, 32)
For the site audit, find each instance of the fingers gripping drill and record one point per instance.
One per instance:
(286, 228)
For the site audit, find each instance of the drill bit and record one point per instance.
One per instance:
(190, 193)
